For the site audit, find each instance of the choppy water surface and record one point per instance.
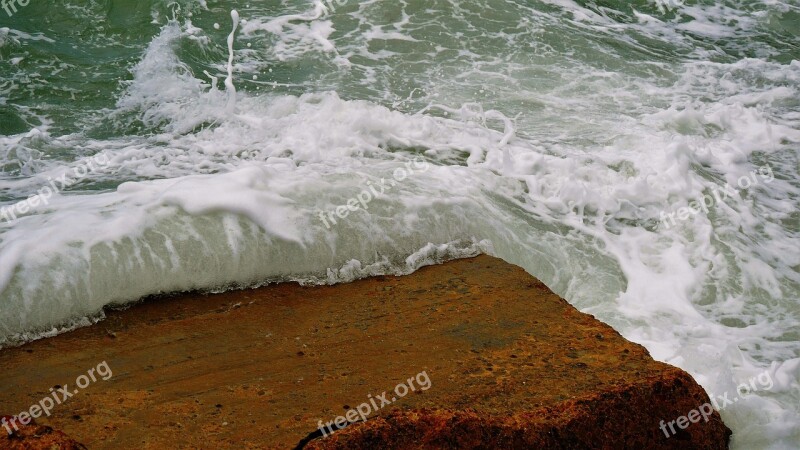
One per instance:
(559, 135)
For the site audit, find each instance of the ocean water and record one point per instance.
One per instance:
(154, 146)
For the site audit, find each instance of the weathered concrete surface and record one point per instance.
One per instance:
(511, 365)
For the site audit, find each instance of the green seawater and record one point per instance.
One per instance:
(560, 136)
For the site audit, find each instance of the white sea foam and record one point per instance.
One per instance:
(223, 197)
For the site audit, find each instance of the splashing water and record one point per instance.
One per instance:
(229, 87)
(559, 136)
